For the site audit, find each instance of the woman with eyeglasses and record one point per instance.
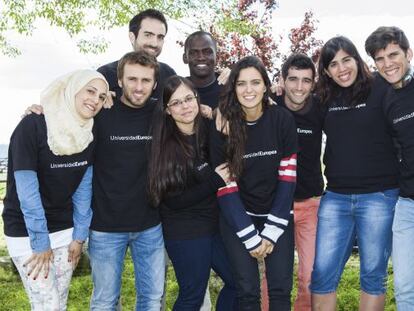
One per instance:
(47, 208)
(183, 185)
(259, 143)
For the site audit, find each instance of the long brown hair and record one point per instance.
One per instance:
(172, 158)
(234, 114)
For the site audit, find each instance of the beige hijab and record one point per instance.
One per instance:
(67, 132)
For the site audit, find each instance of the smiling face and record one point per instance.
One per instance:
(137, 84)
(150, 37)
(393, 63)
(298, 87)
(201, 56)
(250, 88)
(183, 108)
(90, 98)
(342, 69)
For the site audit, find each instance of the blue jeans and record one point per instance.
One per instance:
(341, 217)
(107, 252)
(192, 260)
(403, 254)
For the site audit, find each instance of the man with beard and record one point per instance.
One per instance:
(122, 217)
(147, 31)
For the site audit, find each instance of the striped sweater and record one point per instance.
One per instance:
(267, 185)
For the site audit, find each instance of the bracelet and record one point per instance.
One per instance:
(79, 242)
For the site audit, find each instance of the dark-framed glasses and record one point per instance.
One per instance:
(189, 99)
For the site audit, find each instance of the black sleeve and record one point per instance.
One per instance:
(196, 193)
(109, 71)
(170, 70)
(24, 144)
(216, 146)
(289, 134)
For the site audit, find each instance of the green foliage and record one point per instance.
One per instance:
(77, 16)
(2, 190)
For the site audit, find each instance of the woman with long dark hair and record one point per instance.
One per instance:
(183, 185)
(362, 178)
(259, 144)
(47, 208)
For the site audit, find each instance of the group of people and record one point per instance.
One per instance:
(221, 176)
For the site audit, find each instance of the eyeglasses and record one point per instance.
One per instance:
(189, 99)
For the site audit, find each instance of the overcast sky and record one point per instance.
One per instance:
(50, 52)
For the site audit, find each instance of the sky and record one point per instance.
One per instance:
(50, 52)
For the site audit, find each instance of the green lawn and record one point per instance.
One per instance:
(13, 297)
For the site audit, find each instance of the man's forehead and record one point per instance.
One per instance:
(139, 71)
(389, 48)
(152, 25)
(201, 42)
(294, 71)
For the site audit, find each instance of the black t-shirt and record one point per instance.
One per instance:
(309, 122)
(360, 156)
(120, 170)
(59, 176)
(193, 212)
(399, 110)
(210, 94)
(271, 138)
(110, 73)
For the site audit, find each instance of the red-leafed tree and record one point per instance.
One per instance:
(302, 39)
(247, 30)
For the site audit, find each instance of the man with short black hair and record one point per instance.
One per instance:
(298, 76)
(200, 53)
(147, 31)
(390, 49)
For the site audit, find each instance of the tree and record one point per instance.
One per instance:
(302, 39)
(76, 16)
(248, 31)
(241, 27)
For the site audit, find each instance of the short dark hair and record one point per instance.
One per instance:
(141, 58)
(383, 36)
(198, 33)
(298, 61)
(135, 22)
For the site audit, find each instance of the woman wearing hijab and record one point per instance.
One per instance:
(47, 205)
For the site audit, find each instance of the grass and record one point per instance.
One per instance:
(13, 296)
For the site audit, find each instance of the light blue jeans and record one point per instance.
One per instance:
(107, 252)
(403, 254)
(341, 217)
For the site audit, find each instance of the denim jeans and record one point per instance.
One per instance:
(403, 254)
(107, 252)
(192, 260)
(341, 217)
